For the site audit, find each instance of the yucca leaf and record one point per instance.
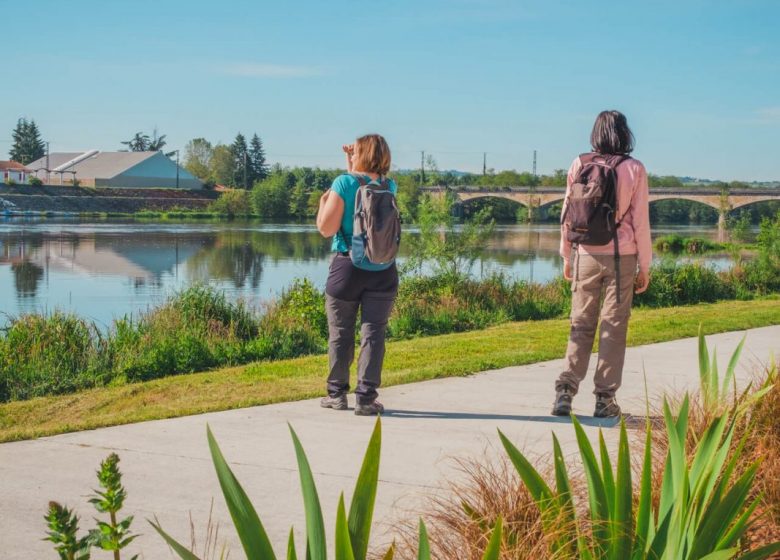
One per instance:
(343, 544)
(390, 552)
(704, 366)
(291, 554)
(606, 472)
(644, 516)
(721, 554)
(706, 450)
(623, 522)
(424, 547)
(714, 380)
(729, 375)
(248, 526)
(761, 553)
(493, 549)
(660, 542)
(566, 541)
(536, 485)
(182, 551)
(599, 507)
(361, 510)
(736, 455)
(676, 432)
(720, 516)
(737, 530)
(315, 526)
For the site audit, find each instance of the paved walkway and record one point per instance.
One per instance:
(168, 471)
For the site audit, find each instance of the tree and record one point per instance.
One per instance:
(138, 143)
(27, 144)
(157, 143)
(258, 166)
(240, 155)
(197, 157)
(142, 143)
(221, 168)
(271, 197)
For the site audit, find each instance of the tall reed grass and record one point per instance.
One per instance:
(198, 328)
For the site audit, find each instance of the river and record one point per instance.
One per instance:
(106, 269)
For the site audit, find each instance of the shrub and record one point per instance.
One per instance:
(194, 330)
(692, 245)
(232, 203)
(49, 354)
(681, 284)
(35, 181)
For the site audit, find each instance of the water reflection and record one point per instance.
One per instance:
(107, 269)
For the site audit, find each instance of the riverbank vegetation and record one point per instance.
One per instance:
(676, 244)
(416, 359)
(198, 328)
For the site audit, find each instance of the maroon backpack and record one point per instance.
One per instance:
(591, 215)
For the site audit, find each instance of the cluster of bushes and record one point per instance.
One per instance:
(443, 304)
(199, 328)
(692, 245)
(194, 330)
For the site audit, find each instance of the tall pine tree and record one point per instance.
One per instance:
(258, 166)
(27, 143)
(241, 169)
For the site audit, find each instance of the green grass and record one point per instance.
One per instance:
(406, 361)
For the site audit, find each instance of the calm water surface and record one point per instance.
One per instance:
(106, 269)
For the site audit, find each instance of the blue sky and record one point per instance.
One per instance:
(699, 80)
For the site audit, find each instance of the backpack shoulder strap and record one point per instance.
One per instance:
(360, 179)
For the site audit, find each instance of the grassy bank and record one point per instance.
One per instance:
(407, 361)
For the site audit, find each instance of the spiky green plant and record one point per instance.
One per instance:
(63, 528)
(703, 512)
(714, 390)
(352, 529)
(114, 535)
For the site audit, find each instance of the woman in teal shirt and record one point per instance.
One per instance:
(350, 289)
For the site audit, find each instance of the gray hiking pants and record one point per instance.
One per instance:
(348, 291)
(594, 278)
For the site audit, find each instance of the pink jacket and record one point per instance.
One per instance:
(633, 215)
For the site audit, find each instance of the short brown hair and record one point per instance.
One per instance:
(373, 154)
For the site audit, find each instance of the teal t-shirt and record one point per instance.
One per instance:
(346, 186)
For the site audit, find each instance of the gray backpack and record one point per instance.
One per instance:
(376, 229)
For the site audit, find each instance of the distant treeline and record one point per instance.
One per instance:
(293, 193)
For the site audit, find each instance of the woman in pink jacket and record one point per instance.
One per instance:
(604, 277)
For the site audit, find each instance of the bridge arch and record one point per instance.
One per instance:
(713, 201)
(738, 201)
(466, 197)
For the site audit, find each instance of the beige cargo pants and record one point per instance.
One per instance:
(594, 281)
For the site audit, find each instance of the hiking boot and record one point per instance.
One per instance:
(606, 406)
(369, 409)
(563, 396)
(339, 402)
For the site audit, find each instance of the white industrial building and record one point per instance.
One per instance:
(113, 169)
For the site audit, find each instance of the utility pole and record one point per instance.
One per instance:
(484, 163)
(177, 169)
(47, 163)
(534, 164)
(422, 167)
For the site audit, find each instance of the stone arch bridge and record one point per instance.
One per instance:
(539, 197)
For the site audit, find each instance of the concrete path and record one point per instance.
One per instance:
(168, 471)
